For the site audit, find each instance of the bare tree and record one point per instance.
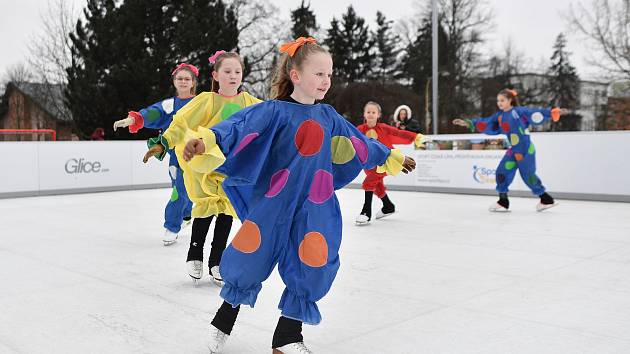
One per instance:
(606, 25)
(17, 74)
(260, 33)
(49, 53)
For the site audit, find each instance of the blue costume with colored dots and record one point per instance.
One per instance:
(283, 162)
(521, 153)
(159, 116)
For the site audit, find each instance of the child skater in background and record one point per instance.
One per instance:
(284, 159)
(204, 189)
(514, 121)
(373, 183)
(159, 116)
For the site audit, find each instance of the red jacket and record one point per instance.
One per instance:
(387, 134)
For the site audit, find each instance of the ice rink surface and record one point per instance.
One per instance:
(89, 274)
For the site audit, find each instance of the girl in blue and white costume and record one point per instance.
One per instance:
(159, 116)
(514, 121)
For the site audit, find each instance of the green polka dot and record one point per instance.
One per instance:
(153, 114)
(520, 129)
(532, 179)
(531, 149)
(229, 109)
(174, 195)
(510, 165)
(342, 150)
(514, 139)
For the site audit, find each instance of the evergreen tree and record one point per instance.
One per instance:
(387, 48)
(123, 55)
(351, 47)
(304, 22)
(564, 85)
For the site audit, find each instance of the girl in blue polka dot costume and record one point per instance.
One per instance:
(514, 121)
(159, 116)
(284, 159)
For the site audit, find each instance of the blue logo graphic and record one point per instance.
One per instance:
(484, 175)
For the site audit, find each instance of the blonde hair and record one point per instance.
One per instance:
(372, 103)
(281, 85)
(217, 66)
(193, 89)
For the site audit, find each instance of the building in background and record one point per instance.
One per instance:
(35, 106)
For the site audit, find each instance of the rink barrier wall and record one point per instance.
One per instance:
(572, 165)
(63, 167)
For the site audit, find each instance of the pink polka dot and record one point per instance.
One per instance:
(321, 187)
(277, 183)
(246, 140)
(360, 148)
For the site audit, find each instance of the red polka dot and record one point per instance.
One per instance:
(518, 157)
(309, 138)
(481, 126)
(505, 127)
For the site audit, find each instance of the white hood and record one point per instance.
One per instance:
(401, 107)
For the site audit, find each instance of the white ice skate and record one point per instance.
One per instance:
(216, 275)
(169, 238)
(216, 340)
(542, 207)
(293, 348)
(362, 220)
(498, 208)
(380, 214)
(195, 270)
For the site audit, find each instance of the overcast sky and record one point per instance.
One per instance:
(532, 25)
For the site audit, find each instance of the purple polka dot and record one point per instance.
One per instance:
(500, 177)
(360, 148)
(246, 140)
(277, 183)
(509, 152)
(321, 187)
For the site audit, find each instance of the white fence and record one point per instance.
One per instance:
(40, 168)
(580, 165)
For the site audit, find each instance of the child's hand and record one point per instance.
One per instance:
(564, 111)
(155, 150)
(460, 122)
(124, 122)
(194, 147)
(408, 165)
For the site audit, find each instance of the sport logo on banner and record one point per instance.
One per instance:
(82, 166)
(484, 175)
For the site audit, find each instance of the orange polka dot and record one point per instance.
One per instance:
(313, 250)
(518, 157)
(247, 239)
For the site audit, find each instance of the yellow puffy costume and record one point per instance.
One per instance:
(205, 110)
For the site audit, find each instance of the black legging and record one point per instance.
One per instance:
(200, 229)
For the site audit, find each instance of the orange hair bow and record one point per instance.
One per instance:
(513, 92)
(291, 47)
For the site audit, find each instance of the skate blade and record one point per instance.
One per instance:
(168, 243)
(543, 207)
(217, 282)
(498, 209)
(362, 223)
(381, 216)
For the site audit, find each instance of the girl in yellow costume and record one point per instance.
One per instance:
(204, 189)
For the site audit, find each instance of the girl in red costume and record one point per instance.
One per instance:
(373, 183)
